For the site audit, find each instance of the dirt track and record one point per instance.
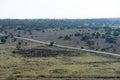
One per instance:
(68, 47)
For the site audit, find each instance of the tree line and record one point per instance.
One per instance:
(37, 24)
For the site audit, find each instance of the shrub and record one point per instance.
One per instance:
(90, 42)
(11, 77)
(85, 38)
(60, 37)
(110, 40)
(3, 40)
(67, 38)
(51, 43)
(77, 34)
(115, 33)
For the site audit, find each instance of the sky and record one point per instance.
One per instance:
(59, 9)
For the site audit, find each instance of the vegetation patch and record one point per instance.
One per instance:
(42, 52)
(59, 71)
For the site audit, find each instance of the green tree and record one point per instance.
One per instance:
(26, 43)
(60, 37)
(103, 36)
(85, 38)
(90, 42)
(14, 39)
(110, 39)
(18, 35)
(93, 34)
(97, 35)
(67, 37)
(108, 33)
(77, 34)
(116, 33)
(51, 43)
(3, 40)
(18, 46)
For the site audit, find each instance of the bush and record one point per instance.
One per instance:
(116, 33)
(18, 35)
(97, 35)
(110, 40)
(77, 34)
(14, 39)
(11, 77)
(60, 37)
(67, 38)
(43, 76)
(90, 43)
(51, 43)
(85, 38)
(3, 40)
(59, 71)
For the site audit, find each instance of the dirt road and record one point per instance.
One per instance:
(68, 47)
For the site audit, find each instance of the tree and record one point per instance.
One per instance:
(14, 39)
(3, 40)
(19, 43)
(6, 37)
(97, 35)
(108, 33)
(67, 38)
(90, 42)
(115, 33)
(26, 43)
(103, 36)
(77, 34)
(51, 43)
(60, 37)
(85, 38)
(110, 39)
(18, 35)
(18, 46)
(93, 34)
(82, 47)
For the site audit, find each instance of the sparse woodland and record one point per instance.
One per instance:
(25, 59)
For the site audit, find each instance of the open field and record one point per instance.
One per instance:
(79, 65)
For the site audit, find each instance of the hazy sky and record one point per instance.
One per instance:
(59, 8)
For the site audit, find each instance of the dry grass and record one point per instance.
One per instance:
(85, 65)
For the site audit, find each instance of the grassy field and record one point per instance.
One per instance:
(82, 65)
